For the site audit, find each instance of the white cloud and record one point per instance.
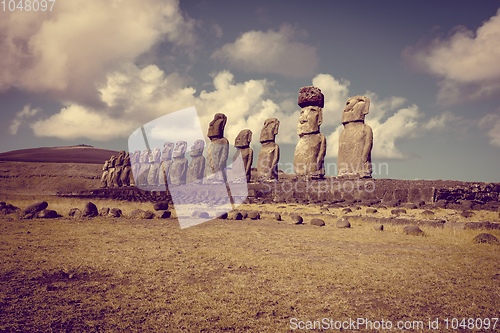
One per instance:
(26, 112)
(491, 122)
(440, 121)
(67, 51)
(270, 52)
(467, 62)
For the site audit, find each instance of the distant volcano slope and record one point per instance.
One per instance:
(74, 154)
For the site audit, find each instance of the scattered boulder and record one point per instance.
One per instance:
(115, 212)
(163, 205)
(371, 210)
(485, 238)
(398, 211)
(222, 215)
(136, 213)
(90, 210)
(75, 213)
(47, 214)
(378, 227)
(318, 222)
(8, 208)
(163, 214)
(296, 219)
(410, 206)
(343, 223)
(200, 215)
(347, 210)
(104, 211)
(234, 215)
(467, 213)
(148, 215)
(428, 213)
(253, 215)
(413, 230)
(35, 207)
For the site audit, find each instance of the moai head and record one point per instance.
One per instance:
(155, 156)
(145, 156)
(197, 148)
(106, 165)
(136, 156)
(168, 148)
(120, 157)
(243, 139)
(312, 101)
(355, 109)
(180, 149)
(126, 159)
(269, 130)
(216, 128)
(112, 161)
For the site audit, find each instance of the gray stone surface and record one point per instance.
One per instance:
(296, 219)
(310, 151)
(196, 169)
(318, 222)
(269, 154)
(144, 168)
(154, 167)
(90, 210)
(163, 205)
(356, 140)
(35, 207)
(178, 169)
(218, 150)
(343, 223)
(242, 143)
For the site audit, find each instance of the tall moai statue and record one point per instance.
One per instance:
(310, 151)
(218, 150)
(166, 162)
(356, 140)
(196, 168)
(104, 178)
(135, 160)
(269, 154)
(126, 174)
(115, 177)
(242, 143)
(144, 169)
(111, 170)
(154, 169)
(180, 164)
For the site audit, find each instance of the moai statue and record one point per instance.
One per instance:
(135, 160)
(154, 169)
(218, 149)
(144, 168)
(269, 154)
(166, 162)
(104, 178)
(180, 164)
(356, 140)
(242, 143)
(111, 170)
(126, 175)
(196, 168)
(115, 177)
(310, 151)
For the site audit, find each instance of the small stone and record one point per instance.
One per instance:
(234, 215)
(427, 213)
(296, 219)
(72, 212)
(47, 214)
(371, 210)
(467, 213)
(136, 213)
(347, 210)
(253, 215)
(413, 230)
(90, 210)
(343, 223)
(200, 215)
(318, 222)
(160, 205)
(378, 227)
(485, 238)
(104, 211)
(35, 207)
(148, 215)
(398, 211)
(163, 214)
(115, 212)
(76, 213)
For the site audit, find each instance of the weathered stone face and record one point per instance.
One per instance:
(155, 156)
(356, 140)
(355, 109)
(180, 149)
(311, 117)
(243, 139)
(145, 156)
(168, 148)
(197, 148)
(216, 128)
(269, 130)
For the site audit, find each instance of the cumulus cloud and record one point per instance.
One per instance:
(466, 62)
(21, 116)
(491, 123)
(270, 52)
(67, 51)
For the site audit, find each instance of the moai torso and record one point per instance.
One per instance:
(144, 169)
(115, 177)
(179, 166)
(242, 143)
(196, 168)
(269, 154)
(356, 140)
(218, 150)
(154, 169)
(310, 151)
(125, 177)
(135, 161)
(166, 162)
(104, 177)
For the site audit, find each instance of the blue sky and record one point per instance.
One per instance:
(94, 71)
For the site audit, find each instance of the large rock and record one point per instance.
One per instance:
(296, 219)
(90, 210)
(318, 222)
(47, 214)
(356, 140)
(163, 205)
(343, 223)
(163, 214)
(35, 207)
(485, 238)
(115, 212)
(253, 215)
(8, 208)
(104, 211)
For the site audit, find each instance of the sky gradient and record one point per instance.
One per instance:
(92, 72)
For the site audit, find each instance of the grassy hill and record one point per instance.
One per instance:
(74, 154)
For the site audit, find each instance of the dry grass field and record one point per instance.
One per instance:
(109, 274)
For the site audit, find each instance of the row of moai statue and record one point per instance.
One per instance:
(170, 166)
